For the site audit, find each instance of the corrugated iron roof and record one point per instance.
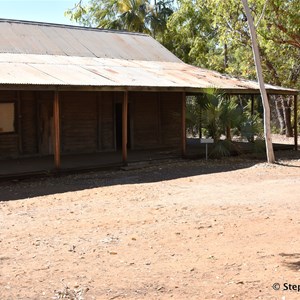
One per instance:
(32, 69)
(51, 39)
(52, 55)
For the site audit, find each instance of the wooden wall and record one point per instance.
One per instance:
(171, 119)
(88, 122)
(9, 146)
(156, 119)
(106, 121)
(145, 120)
(29, 127)
(78, 122)
(29, 123)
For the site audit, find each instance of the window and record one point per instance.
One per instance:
(7, 117)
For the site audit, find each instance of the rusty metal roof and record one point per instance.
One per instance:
(64, 57)
(25, 37)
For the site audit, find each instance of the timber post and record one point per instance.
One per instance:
(295, 122)
(124, 127)
(56, 120)
(183, 124)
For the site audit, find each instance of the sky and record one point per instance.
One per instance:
(50, 11)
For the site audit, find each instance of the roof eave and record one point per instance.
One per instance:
(189, 90)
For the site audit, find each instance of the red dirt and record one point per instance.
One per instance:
(224, 229)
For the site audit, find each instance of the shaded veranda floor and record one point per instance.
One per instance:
(44, 165)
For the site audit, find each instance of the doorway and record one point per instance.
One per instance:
(118, 126)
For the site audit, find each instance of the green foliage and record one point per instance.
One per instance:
(251, 127)
(220, 114)
(130, 15)
(217, 115)
(258, 146)
(191, 35)
(223, 148)
(214, 34)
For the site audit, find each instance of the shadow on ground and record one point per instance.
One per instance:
(135, 174)
(294, 264)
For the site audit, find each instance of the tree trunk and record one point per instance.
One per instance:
(225, 56)
(287, 117)
(264, 96)
(200, 123)
(228, 133)
(280, 114)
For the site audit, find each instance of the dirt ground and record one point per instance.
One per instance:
(179, 229)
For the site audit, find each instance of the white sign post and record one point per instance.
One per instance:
(206, 142)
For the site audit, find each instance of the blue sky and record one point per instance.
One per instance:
(51, 11)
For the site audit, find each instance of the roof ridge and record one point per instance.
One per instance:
(47, 24)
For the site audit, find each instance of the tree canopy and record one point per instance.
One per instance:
(131, 15)
(213, 34)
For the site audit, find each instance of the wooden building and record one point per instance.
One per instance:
(68, 90)
(88, 121)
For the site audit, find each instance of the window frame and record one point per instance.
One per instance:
(15, 124)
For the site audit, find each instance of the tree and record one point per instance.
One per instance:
(130, 15)
(212, 34)
(214, 114)
(112, 14)
(264, 96)
(192, 37)
(159, 16)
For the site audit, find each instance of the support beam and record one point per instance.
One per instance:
(296, 122)
(124, 127)
(56, 120)
(183, 125)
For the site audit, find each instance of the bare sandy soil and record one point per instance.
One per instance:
(222, 229)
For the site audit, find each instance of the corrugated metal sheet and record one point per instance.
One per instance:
(100, 72)
(47, 39)
(53, 55)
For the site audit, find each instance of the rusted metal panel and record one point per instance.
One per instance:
(61, 45)
(88, 71)
(8, 41)
(47, 39)
(33, 40)
(68, 44)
